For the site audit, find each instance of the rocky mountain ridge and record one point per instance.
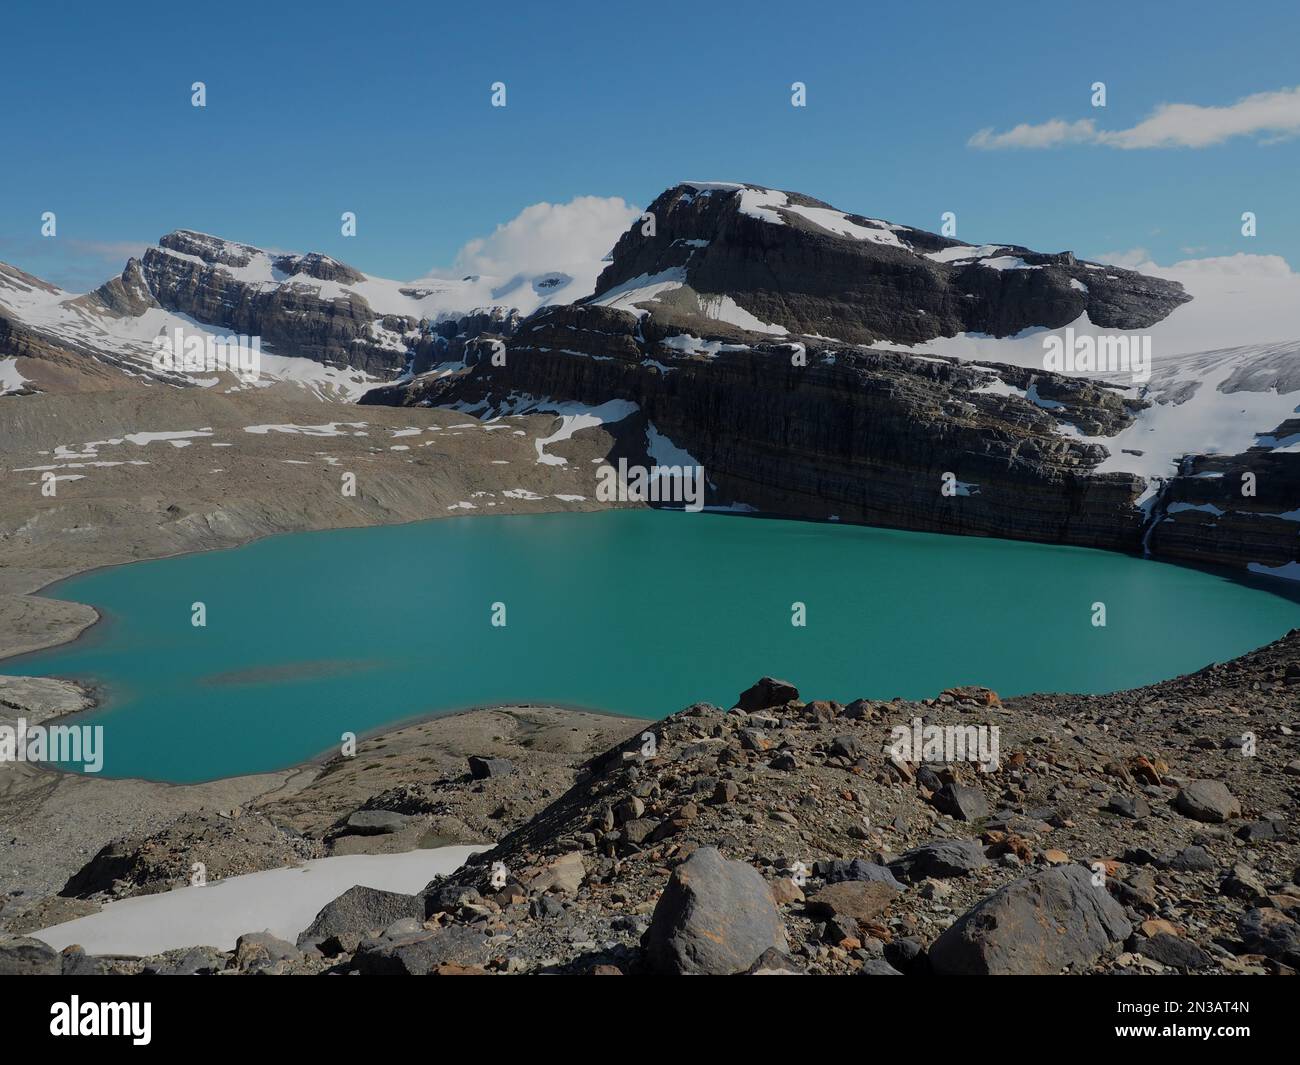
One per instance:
(788, 263)
(308, 306)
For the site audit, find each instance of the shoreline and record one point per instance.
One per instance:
(1280, 586)
(321, 759)
(95, 692)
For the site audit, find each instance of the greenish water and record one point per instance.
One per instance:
(639, 612)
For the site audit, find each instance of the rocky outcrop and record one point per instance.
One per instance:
(813, 431)
(1037, 926)
(790, 260)
(360, 911)
(716, 917)
(194, 274)
(227, 844)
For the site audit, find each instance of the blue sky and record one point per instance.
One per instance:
(383, 109)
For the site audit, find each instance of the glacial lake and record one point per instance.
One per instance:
(639, 612)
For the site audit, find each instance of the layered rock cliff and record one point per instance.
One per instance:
(756, 330)
(864, 436)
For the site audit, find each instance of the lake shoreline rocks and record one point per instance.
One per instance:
(1149, 831)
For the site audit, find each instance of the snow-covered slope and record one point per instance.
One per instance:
(84, 326)
(430, 298)
(320, 323)
(1225, 367)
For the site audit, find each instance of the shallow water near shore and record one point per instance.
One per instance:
(312, 635)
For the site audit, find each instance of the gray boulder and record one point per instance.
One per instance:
(1173, 950)
(962, 802)
(259, 950)
(715, 917)
(1270, 932)
(839, 869)
(362, 909)
(419, 954)
(24, 956)
(1207, 800)
(1034, 926)
(768, 692)
(374, 823)
(481, 768)
(941, 859)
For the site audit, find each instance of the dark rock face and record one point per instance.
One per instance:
(715, 917)
(766, 693)
(457, 339)
(1218, 522)
(962, 802)
(196, 274)
(1272, 933)
(1174, 950)
(481, 768)
(362, 909)
(127, 294)
(373, 823)
(1034, 926)
(294, 319)
(863, 436)
(788, 268)
(839, 870)
(805, 428)
(943, 858)
(321, 267)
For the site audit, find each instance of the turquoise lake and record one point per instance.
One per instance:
(639, 612)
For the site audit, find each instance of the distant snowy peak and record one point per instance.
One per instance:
(431, 298)
(357, 329)
(734, 259)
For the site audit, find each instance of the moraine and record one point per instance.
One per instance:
(636, 611)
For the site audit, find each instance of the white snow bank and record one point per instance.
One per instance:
(725, 309)
(575, 416)
(841, 225)
(143, 439)
(642, 289)
(963, 251)
(328, 429)
(10, 379)
(280, 901)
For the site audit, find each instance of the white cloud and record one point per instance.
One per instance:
(1270, 116)
(548, 236)
(1240, 265)
(1043, 135)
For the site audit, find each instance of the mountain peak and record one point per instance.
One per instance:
(728, 256)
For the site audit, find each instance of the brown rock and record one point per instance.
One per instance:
(785, 891)
(863, 900)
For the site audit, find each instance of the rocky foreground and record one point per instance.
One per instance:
(1147, 831)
